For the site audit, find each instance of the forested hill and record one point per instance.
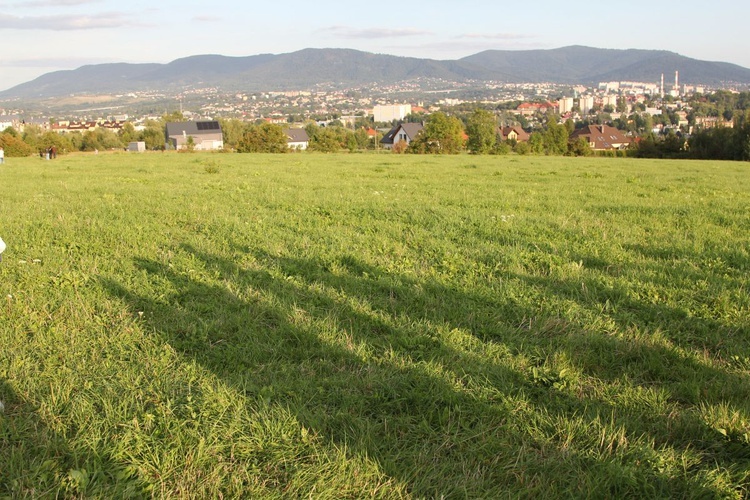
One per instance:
(307, 68)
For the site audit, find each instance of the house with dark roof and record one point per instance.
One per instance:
(517, 134)
(602, 137)
(297, 138)
(403, 132)
(204, 135)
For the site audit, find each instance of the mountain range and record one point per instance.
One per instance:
(309, 67)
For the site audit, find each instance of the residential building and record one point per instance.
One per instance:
(297, 138)
(565, 105)
(204, 135)
(531, 108)
(9, 121)
(586, 103)
(516, 134)
(403, 132)
(388, 113)
(609, 100)
(602, 137)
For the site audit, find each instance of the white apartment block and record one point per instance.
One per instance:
(390, 112)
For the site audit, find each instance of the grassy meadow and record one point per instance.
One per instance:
(374, 325)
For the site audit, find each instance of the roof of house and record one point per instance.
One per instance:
(521, 134)
(193, 128)
(603, 136)
(297, 135)
(410, 129)
(536, 105)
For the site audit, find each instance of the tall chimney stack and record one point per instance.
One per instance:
(662, 85)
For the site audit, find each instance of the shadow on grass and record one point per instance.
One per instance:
(38, 462)
(363, 357)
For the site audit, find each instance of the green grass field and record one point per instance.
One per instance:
(353, 326)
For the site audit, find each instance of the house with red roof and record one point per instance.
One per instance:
(602, 137)
(531, 108)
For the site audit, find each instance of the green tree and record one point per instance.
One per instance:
(351, 142)
(482, 132)
(523, 148)
(580, 147)
(263, 138)
(173, 117)
(570, 126)
(76, 139)
(32, 136)
(555, 138)
(128, 134)
(325, 140)
(362, 138)
(100, 138)
(153, 135)
(536, 143)
(11, 131)
(622, 105)
(441, 135)
(14, 146)
(233, 131)
(501, 148)
(60, 141)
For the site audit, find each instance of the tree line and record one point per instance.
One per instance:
(475, 130)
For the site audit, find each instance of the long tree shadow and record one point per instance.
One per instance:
(361, 356)
(37, 461)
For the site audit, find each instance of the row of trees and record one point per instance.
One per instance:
(271, 138)
(445, 134)
(34, 139)
(442, 134)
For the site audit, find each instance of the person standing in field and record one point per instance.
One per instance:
(2, 156)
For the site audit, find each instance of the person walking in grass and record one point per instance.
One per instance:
(2, 155)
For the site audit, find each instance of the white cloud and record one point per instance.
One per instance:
(207, 18)
(66, 23)
(49, 3)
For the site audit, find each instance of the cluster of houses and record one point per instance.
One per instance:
(207, 136)
(66, 126)
(598, 137)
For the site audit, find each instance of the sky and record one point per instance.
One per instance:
(40, 36)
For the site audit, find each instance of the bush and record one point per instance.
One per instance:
(523, 148)
(399, 147)
(13, 146)
(501, 148)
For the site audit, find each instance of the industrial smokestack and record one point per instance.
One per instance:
(662, 85)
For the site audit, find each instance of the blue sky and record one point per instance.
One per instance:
(39, 36)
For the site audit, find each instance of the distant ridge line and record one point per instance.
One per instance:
(304, 69)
